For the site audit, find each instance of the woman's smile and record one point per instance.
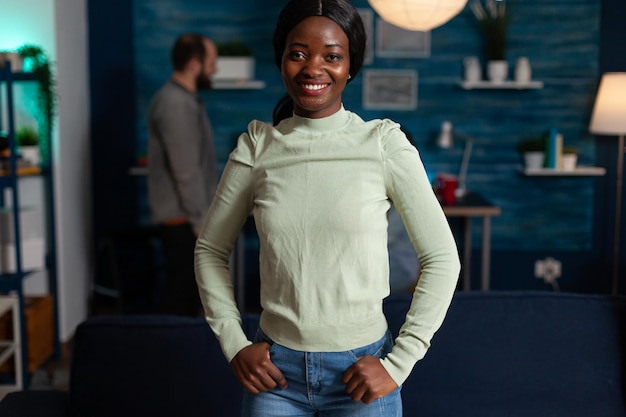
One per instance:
(314, 88)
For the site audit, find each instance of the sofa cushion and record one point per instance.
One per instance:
(35, 403)
(520, 354)
(151, 366)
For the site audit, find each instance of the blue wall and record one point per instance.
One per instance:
(540, 216)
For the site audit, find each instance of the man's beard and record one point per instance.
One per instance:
(203, 82)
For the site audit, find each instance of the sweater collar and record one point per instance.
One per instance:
(333, 122)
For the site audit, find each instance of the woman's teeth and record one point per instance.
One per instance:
(313, 86)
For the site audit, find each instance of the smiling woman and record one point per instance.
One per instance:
(315, 67)
(320, 184)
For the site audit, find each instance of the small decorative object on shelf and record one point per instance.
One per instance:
(473, 73)
(569, 158)
(522, 70)
(28, 142)
(234, 62)
(492, 19)
(554, 149)
(533, 152)
(497, 70)
(235, 67)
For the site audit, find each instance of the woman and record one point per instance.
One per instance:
(319, 185)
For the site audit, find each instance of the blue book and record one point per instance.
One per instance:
(554, 146)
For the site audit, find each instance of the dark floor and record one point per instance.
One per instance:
(54, 374)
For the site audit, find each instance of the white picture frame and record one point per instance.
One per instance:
(390, 89)
(367, 16)
(395, 42)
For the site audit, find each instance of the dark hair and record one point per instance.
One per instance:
(283, 109)
(342, 12)
(187, 47)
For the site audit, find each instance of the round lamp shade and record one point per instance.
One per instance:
(417, 14)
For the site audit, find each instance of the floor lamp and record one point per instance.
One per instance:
(609, 118)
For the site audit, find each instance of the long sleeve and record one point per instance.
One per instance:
(409, 189)
(226, 215)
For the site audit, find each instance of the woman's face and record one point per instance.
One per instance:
(315, 66)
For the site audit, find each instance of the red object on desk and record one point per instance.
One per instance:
(446, 188)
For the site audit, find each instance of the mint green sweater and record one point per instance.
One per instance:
(319, 190)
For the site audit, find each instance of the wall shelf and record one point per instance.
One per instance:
(506, 85)
(581, 171)
(238, 84)
(23, 171)
(12, 278)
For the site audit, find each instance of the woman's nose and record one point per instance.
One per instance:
(314, 68)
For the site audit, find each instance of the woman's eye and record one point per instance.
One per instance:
(334, 57)
(296, 55)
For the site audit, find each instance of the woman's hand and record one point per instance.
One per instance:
(255, 370)
(367, 380)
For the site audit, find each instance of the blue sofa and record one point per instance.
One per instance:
(513, 354)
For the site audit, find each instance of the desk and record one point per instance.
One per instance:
(474, 205)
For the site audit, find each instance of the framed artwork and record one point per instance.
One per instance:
(390, 89)
(395, 42)
(367, 15)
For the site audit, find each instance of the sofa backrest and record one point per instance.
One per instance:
(520, 354)
(515, 354)
(151, 366)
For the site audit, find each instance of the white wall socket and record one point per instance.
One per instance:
(548, 269)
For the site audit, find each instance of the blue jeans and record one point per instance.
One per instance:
(315, 387)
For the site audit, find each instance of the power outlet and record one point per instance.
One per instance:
(548, 269)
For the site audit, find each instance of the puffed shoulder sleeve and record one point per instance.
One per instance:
(245, 152)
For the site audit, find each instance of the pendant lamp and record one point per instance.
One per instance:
(421, 15)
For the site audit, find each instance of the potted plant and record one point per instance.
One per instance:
(493, 19)
(235, 61)
(28, 142)
(570, 158)
(37, 61)
(533, 151)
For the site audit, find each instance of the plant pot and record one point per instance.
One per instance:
(534, 160)
(497, 71)
(569, 161)
(31, 155)
(234, 68)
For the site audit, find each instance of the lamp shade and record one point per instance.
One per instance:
(417, 14)
(609, 111)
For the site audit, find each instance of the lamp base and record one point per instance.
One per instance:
(618, 212)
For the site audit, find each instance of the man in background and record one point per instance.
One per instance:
(182, 173)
